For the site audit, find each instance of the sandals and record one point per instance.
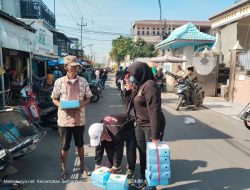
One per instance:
(62, 177)
(85, 174)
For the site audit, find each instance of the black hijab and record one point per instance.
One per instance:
(142, 72)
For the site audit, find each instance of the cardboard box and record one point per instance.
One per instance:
(152, 181)
(117, 182)
(163, 149)
(101, 175)
(153, 160)
(99, 185)
(70, 104)
(154, 168)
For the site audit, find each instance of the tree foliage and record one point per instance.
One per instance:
(123, 46)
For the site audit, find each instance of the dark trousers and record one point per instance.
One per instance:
(143, 135)
(114, 153)
(103, 81)
(130, 140)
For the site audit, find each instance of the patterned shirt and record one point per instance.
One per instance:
(65, 89)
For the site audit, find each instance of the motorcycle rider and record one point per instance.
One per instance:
(192, 79)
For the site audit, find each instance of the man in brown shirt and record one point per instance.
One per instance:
(71, 121)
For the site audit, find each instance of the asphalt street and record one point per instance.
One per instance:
(212, 154)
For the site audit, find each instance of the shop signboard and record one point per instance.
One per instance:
(43, 40)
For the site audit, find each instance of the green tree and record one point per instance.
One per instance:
(141, 48)
(120, 48)
(123, 46)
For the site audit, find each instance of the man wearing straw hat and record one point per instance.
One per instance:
(71, 121)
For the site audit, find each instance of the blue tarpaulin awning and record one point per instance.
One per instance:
(56, 62)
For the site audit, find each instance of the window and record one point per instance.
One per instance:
(147, 33)
(143, 33)
(153, 33)
(158, 33)
(153, 28)
(142, 28)
(158, 28)
(138, 33)
(148, 28)
(138, 27)
(163, 28)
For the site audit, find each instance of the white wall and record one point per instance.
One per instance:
(228, 40)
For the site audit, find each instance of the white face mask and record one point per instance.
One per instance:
(72, 80)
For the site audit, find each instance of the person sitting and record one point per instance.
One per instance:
(192, 79)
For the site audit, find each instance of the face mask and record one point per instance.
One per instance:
(133, 80)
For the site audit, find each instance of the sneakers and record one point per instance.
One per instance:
(139, 183)
(130, 176)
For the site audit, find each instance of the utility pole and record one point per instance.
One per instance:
(81, 25)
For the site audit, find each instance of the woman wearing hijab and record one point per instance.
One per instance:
(145, 99)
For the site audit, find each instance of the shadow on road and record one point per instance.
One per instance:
(176, 129)
(226, 178)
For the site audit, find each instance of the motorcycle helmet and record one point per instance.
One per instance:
(190, 68)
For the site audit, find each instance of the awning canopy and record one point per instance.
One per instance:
(186, 35)
(167, 58)
(55, 62)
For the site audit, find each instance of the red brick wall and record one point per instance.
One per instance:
(241, 90)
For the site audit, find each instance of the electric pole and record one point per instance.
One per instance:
(82, 25)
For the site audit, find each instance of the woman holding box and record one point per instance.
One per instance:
(145, 99)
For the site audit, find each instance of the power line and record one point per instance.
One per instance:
(95, 31)
(65, 6)
(75, 7)
(100, 10)
(78, 8)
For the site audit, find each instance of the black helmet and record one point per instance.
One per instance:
(190, 68)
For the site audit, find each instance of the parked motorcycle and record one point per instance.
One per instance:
(41, 113)
(183, 90)
(245, 116)
(96, 91)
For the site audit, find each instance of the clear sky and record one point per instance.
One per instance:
(107, 19)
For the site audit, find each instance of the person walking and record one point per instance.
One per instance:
(71, 121)
(145, 99)
(104, 78)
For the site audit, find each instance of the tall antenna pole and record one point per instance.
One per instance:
(159, 1)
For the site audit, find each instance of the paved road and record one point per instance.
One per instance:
(212, 154)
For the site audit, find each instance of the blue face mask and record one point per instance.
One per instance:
(133, 80)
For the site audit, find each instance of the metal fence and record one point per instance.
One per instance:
(36, 9)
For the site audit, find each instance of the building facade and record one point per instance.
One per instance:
(233, 44)
(154, 31)
(17, 42)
